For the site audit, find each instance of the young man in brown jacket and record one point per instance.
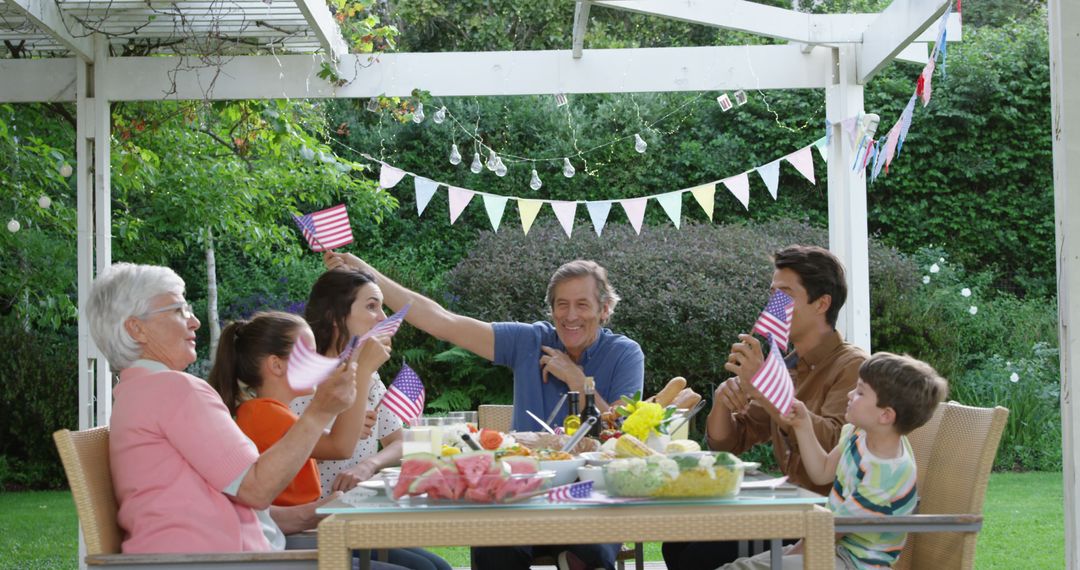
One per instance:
(823, 367)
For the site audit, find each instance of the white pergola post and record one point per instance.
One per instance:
(1064, 16)
(92, 151)
(847, 198)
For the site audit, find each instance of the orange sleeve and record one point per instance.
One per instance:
(266, 421)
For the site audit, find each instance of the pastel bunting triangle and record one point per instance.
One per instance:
(706, 197)
(495, 206)
(459, 198)
(770, 175)
(528, 209)
(389, 176)
(635, 211)
(425, 189)
(803, 161)
(739, 186)
(671, 202)
(822, 145)
(564, 211)
(598, 213)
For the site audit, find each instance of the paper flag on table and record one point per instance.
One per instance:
(770, 175)
(706, 197)
(774, 381)
(739, 186)
(405, 395)
(389, 176)
(326, 229)
(635, 211)
(425, 189)
(564, 211)
(459, 198)
(495, 206)
(803, 161)
(598, 213)
(671, 202)
(775, 320)
(572, 492)
(528, 209)
(822, 145)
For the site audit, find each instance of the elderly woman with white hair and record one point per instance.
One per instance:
(186, 478)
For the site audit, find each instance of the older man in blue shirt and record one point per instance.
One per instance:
(573, 346)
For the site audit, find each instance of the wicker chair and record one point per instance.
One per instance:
(85, 455)
(499, 417)
(954, 452)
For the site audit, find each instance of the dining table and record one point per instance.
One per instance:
(368, 521)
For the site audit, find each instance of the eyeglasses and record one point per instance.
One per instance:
(184, 309)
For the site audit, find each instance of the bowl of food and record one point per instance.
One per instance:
(563, 464)
(697, 474)
(475, 477)
(597, 458)
(592, 473)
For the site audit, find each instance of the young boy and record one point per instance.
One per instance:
(873, 465)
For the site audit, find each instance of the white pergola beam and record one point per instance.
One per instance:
(46, 16)
(1064, 17)
(896, 27)
(489, 73)
(317, 13)
(581, 24)
(37, 80)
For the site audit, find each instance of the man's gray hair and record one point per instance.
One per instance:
(120, 292)
(605, 293)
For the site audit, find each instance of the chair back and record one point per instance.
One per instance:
(85, 455)
(954, 453)
(495, 416)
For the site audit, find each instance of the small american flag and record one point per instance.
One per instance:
(572, 492)
(389, 325)
(775, 320)
(774, 381)
(405, 396)
(308, 368)
(326, 229)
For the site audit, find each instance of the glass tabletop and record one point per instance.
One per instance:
(367, 501)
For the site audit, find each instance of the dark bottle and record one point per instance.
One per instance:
(572, 422)
(589, 409)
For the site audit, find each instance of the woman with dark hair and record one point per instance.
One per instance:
(344, 303)
(251, 374)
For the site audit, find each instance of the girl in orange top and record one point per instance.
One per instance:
(256, 353)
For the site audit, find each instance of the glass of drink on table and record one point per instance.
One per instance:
(467, 418)
(437, 425)
(416, 439)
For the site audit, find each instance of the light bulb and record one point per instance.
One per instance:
(307, 153)
(639, 144)
(492, 161)
(44, 201)
(567, 168)
(418, 114)
(500, 168)
(65, 170)
(535, 182)
(455, 156)
(13, 226)
(439, 116)
(476, 165)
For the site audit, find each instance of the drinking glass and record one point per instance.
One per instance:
(416, 439)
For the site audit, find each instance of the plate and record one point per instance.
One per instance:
(374, 484)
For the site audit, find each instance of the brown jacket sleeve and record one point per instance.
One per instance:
(751, 428)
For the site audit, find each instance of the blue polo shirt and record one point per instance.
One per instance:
(614, 361)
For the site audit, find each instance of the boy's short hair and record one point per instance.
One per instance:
(911, 387)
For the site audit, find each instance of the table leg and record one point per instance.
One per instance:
(819, 550)
(333, 554)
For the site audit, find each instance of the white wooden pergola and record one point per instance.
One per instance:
(95, 52)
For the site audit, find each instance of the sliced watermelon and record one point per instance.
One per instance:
(455, 483)
(521, 464)
(428, 482)
(412, 466)
(473, 465)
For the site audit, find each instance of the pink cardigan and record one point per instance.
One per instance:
(173, 448)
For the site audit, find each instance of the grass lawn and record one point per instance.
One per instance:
(1024, 527)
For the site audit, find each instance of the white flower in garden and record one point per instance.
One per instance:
(973, 309)
(941, 259)
(925, 279)
(934, 268)
(1008, 364)
(1014, 377)
(965, 292)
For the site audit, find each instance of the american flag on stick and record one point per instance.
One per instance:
(307, 368)
(572, 492)
(326, 229)
(775, 320)
(405, 396)
(774, 381)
